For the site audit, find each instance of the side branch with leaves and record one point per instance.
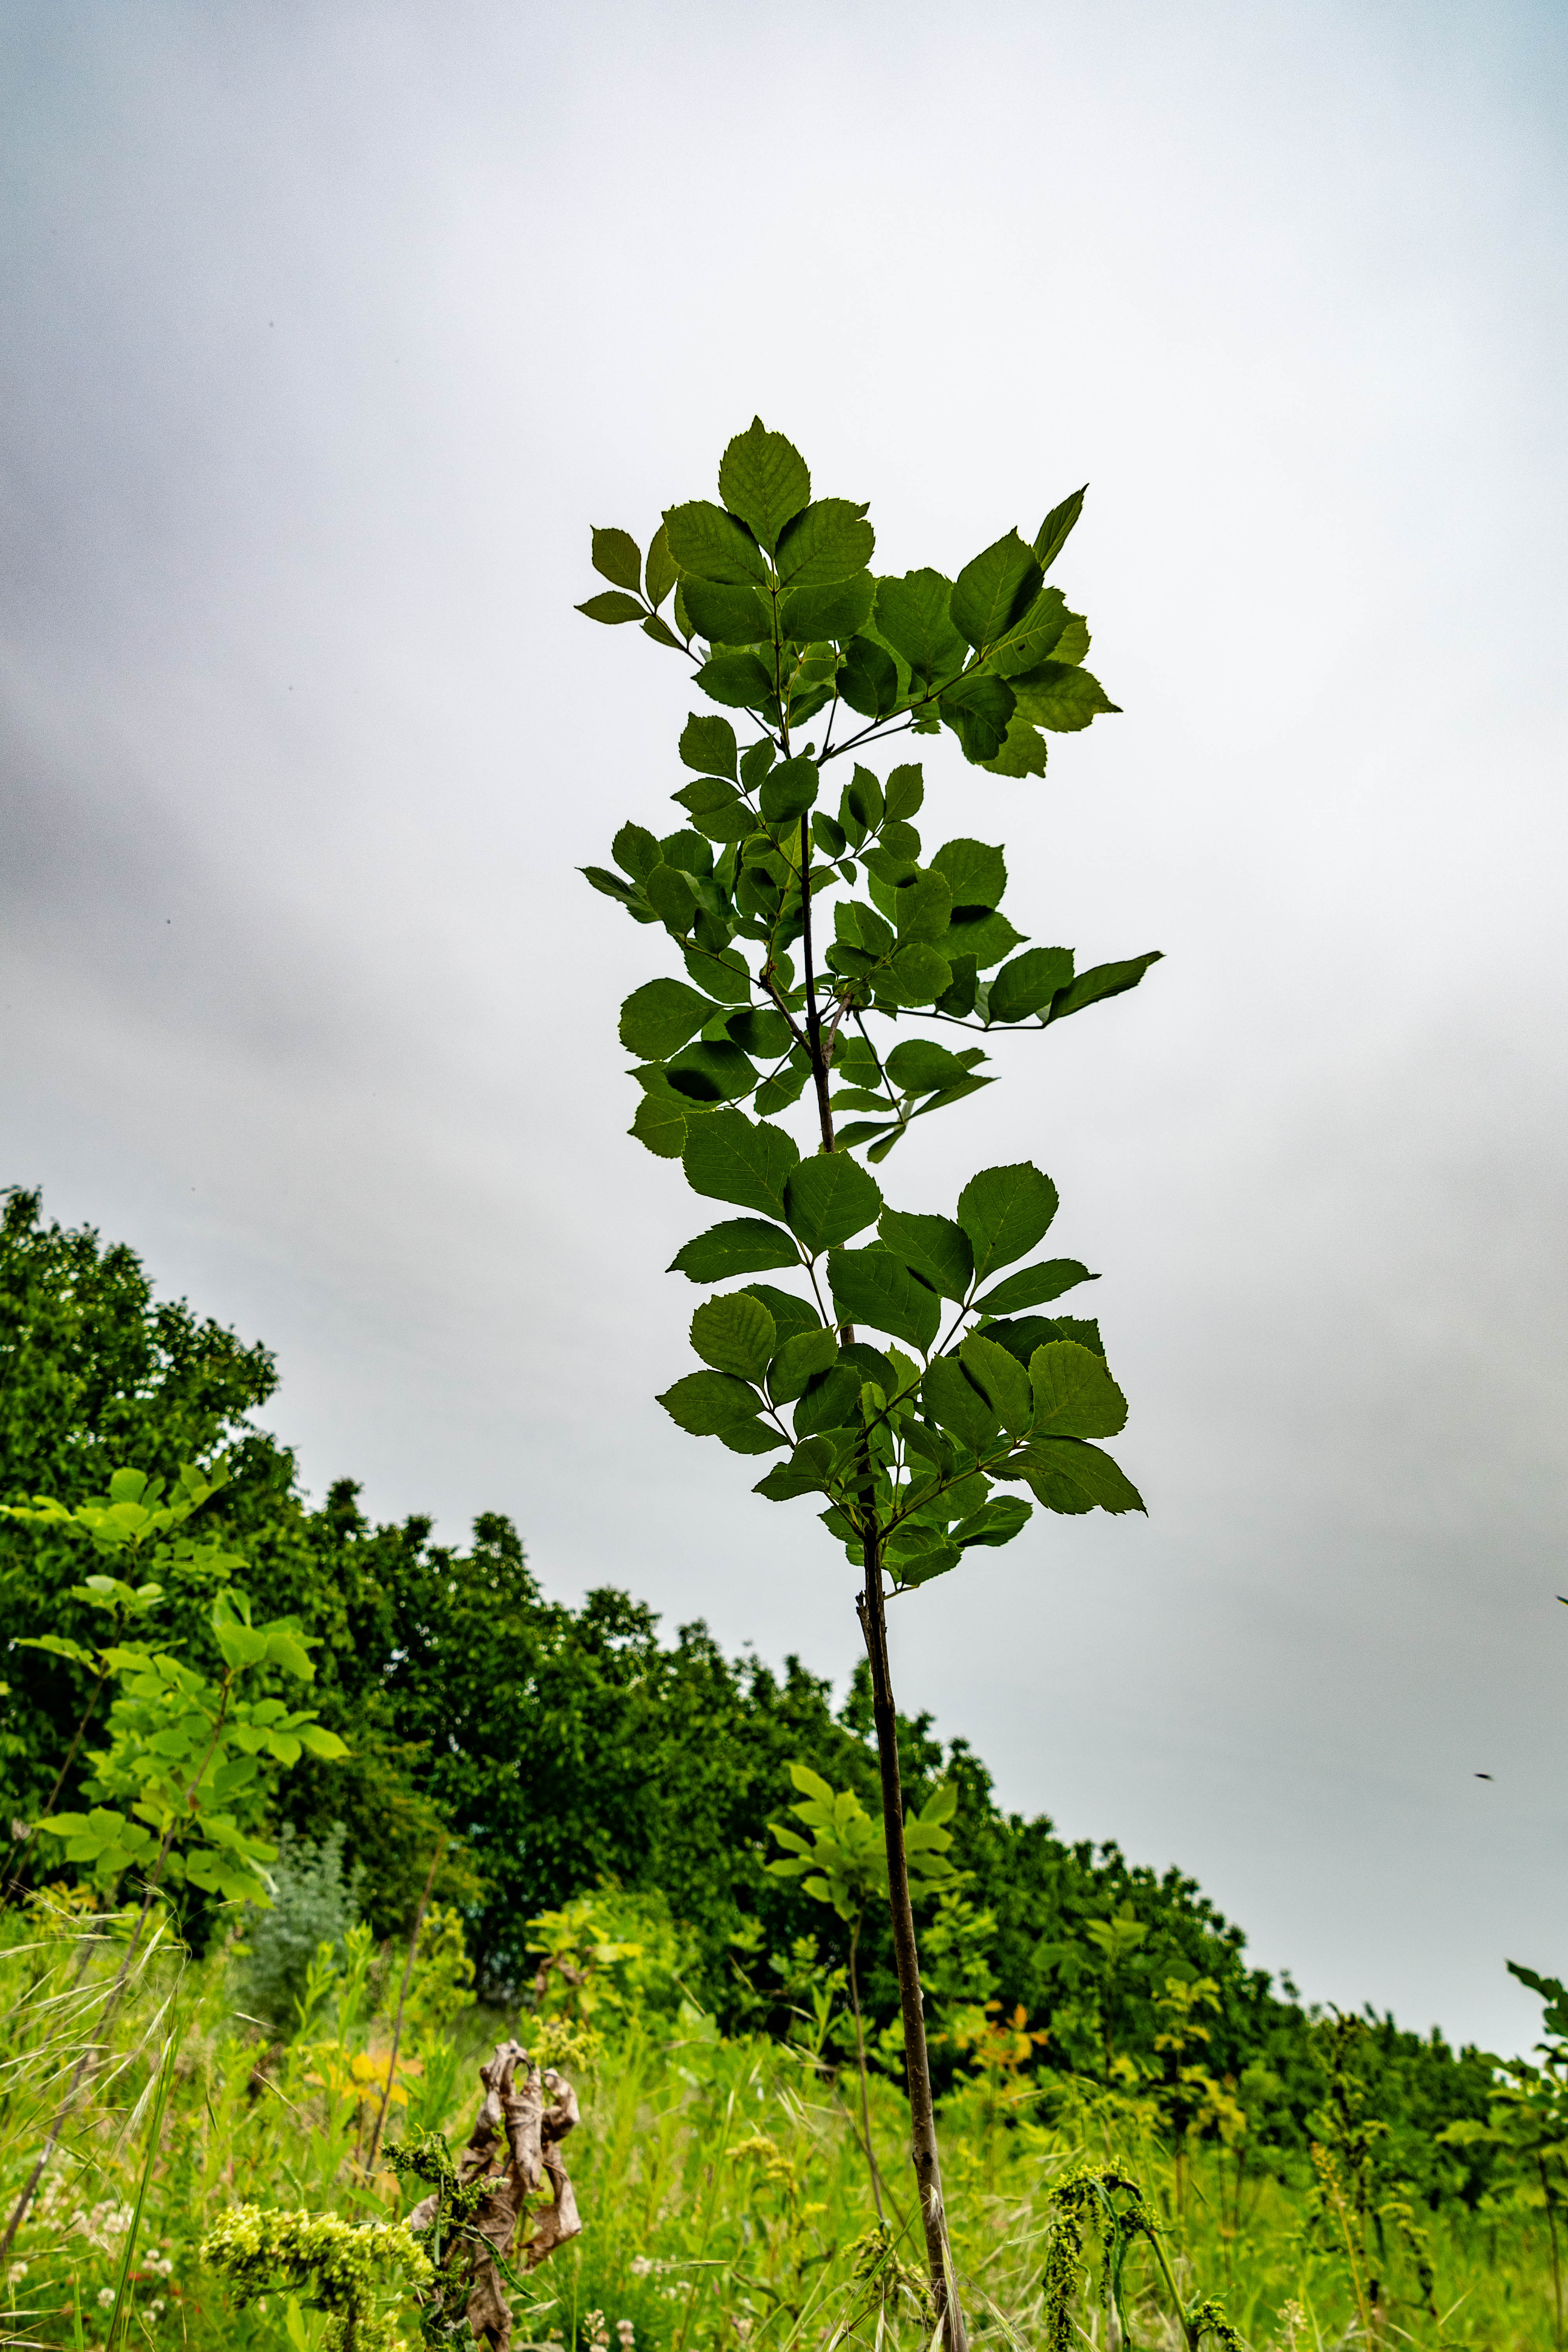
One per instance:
(772, 599)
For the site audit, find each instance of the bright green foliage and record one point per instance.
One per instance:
(777, 608)
(843, 1862)
(342, 2267)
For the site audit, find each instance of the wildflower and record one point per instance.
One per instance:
(628, 2335)
(105, 2297)
(17, 2271)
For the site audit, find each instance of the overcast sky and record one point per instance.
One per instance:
(331, 328)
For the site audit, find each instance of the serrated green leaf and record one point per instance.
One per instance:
(868, 679)
(1100, 980)
(934, 1246)
(978, 710)
(923, 908)
(791, 1314)
(937, 1557)
(739, 1246)
(994, 591)
(830, 1401)
(671, 892)
(1033, 636)
(728, 615)
(996, 1522)
(661, 1126)
(737, 680)
(712, 545)
(1066, 1475)
(919, 1066)
(856, 925)
(808, 1471)
(1034, 1285)
(1053, 533)
(635, 851)
(724, 975)
(956, 1405)
(1028, 983)
(658, 1019)
(777, 1093)
(708, 796)
(980, 932)
(1057, 695)
(1004, 1211)
(750, 1438)
(830, 541)
(612, 606)
(904, 793)
(708, 1071)
(912, 614)
(1074, 1395)
(736, 1335)
(732, 1158)
(1001, 1379)
(661, 573)
(765, 479)
(811, 615)
(760, 1031)
(871, 1286)
(659, 630)
(617, 558)
(975, 872)
(917, 975)
(829, 1199)
(707, 744)
(802, 1356)
(1023, 753)
(703, 1404)
(788, 790)
(687, 851)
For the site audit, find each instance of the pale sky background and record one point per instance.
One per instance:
(331, 328)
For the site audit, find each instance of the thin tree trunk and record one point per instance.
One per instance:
(922, 2112)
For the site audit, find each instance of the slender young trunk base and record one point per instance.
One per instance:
(923, 2113)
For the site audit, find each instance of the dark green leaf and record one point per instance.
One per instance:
(906, 790)
(996, 1522)
(1074, 1395)
(671, 892)
(956, 1405)
(763, 478)
(788, 790)
(707, 795)
(1034, 1285)
(912, 614)
(687, 851)
(830, 541)
(733, 1158)
(791, 1314)
(1023, 1333)
(980, 932)
(923, 909)
(978, 710)
(1103, 980)
(800, 1360)
(828, 836)
(934, 1246)
(661, 574)
(959, 1000)
(919, 1066)
(976, 873)
(726, 616)
(856, 925)
(750, 1438)
(1001, 1379)
(737, 1334)
(1033, 636)
(810, 615)
(705, 1402)
(712, 545)
(808, 1471)
(755, 761)
(763, 1033)
(1023, 751)
(934, 1559)
(871, 1286)
(661, 1124)
(1056, 695)
(993, 591)
(611, 605)
(1052, 535)
(1028, 982)
(707, 744)
(1068, 1476)
(724, 976)
(829, 1199)
(777, 1093)
(710, 1073)
(736, 679)
(635, 851)
(869, 681)
(830, 1401)
(658, 1019)
(660, 632)
(917, 975)
(862, 801)
(1004, 1211)
(739, 1246)
(617, 557)
(610, 884)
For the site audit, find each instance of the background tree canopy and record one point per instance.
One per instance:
(562, 1747)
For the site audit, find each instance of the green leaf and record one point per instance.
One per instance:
(1074, 1395)
(661, 631)
(1021, 1334)
(1052, 535)
(976, 873)
(980, 932)
(829, 1401)
(708, 796)
(1023, 751)
(800, 1360)
(58, 1647)
(703, 1404)
(856, 925)
(728, 616)
(1001, 1379)
(687, 851)
(736, 679)
(1066, 1475)
(956, 1405)
(996, 1522)
(707, 744)
(906, 790)
(788, 790)
(658, 1019)
(919, 1066)
(959, 1000)
(912, 614)
(284, 1649)
(750, 1438)
(978, 710)
(661, 1124)
(1004, 1211)
(1028, 982)
(739, 1246)
(617, 557)
(933, 1247)
(612, 606)
(871, 1286)
(829, 1199)
(810, 615)
(318, 1741)
(868, 679)
(1056, 695)
(917, 975)
(934, 1558)
(710, 1072)
(1036, 633)
(732, 1158)
(661, 571)
(635, 851)
(923, 908)
(760, 1031)
(671, 892)
(777, 1093)
(1103, 980)
(808, 1471)
(1033, 1287)
(765, 479)
(725, 976)
(791, 1314)
(712, 545)
(831, 541)
(994, 591)
(737, 1334)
